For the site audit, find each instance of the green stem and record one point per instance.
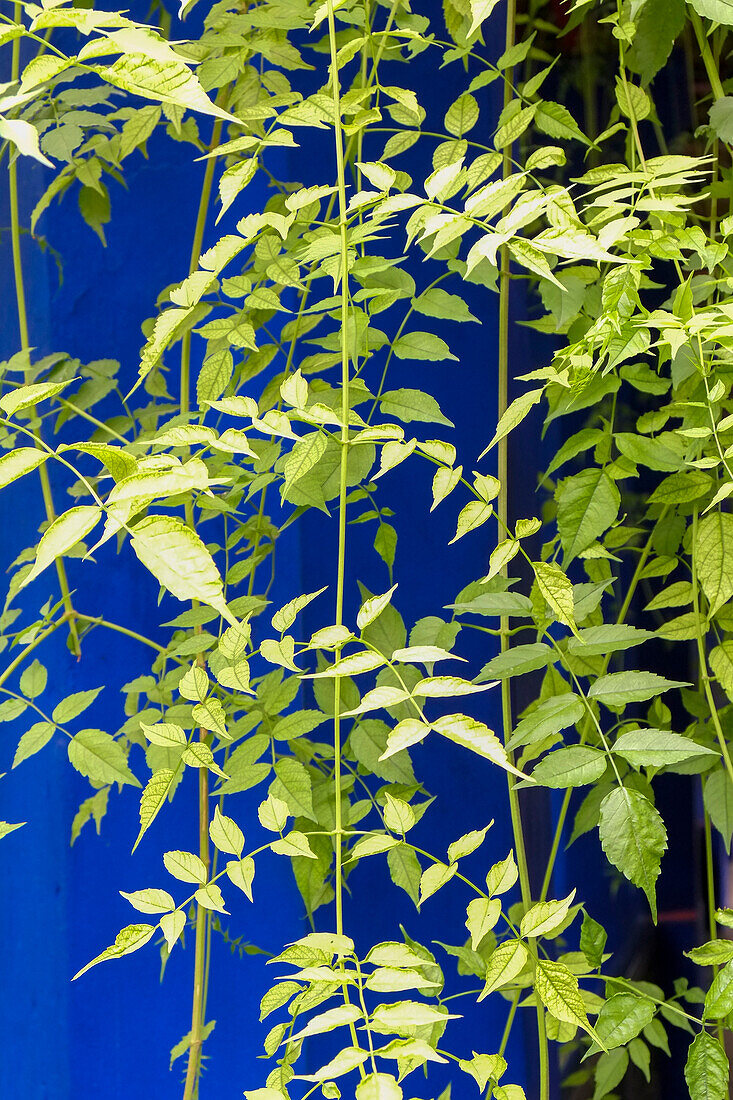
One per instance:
(707, 55)
(28, 649)
(503, 517)
(200, 966)
(343, 469)
(25, 340)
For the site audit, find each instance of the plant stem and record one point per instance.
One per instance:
(200, 965)
(707, 55)
(503, 517)
(25, 340)
(343, 469)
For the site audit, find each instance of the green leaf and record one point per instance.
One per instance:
(210, 897)
(423, 346)
(27, 396)
(306, 454)
(545, 917)
(721, 118)
(656, 748)
(592, 940)
(293, 786)
(6, 827)
(378, 1086)
(373, 607)
(505, 963)
(514, 416)
(294, 844)
(714, 558)
(718, 800)
(159, 786)
(622, 1017)
(434, 877)
(180, 562)
(24, 137)
(616, 689)
(185, 866)
(634, 839)
(19, 462)
(467, 844)
(130, 939)
(283, 619)
(329, 1020)
(587, 505)
(719, 11)
(707, 1071)
(557, 122)
(226, 834)
(517, 661)
(409, 405)
(557, 988)
(474, 735)
(172, 925)
(63, 534)
(33, 680)
(100, 758)
(657, 26)
(402, 1016)
(344, 1062)
(436, 302)
(405, 870)
(557, 590)
(241, 873)
(480, 11)
(600, 640)
(33, 740)
(164, 81)
(481, 916)
(74, 705)
(574, 766)
(555, 714)
(150, 901)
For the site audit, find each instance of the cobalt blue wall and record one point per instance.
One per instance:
(113, 1028)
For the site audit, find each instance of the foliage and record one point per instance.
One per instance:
(293, 318)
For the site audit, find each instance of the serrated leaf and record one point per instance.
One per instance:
(505, 963)
(634, 839)
(63, 534)
(707, 1072)
(130, 939)
(185, 866)
(180, 562)
(99, 757)
(226, 834)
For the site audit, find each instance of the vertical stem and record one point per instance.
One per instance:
(503, 513)
(710, 887)
(707, 55)
(202, 941)
(345, 408)
(25, 342)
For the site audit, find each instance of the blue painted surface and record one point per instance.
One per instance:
(112, 1030)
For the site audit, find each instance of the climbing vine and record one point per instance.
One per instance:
(269, 392)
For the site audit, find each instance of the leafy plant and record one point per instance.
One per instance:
(293, 321)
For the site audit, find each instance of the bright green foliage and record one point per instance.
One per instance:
(307, 331)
